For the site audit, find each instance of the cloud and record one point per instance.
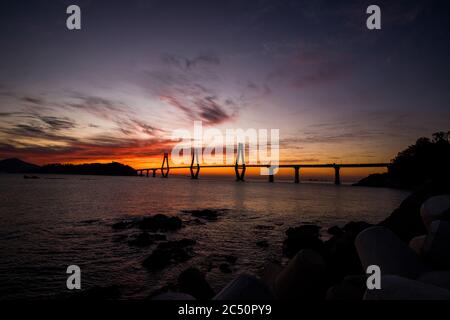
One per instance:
(203, 60)
(205, 108)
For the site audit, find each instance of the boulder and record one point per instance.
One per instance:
(192, 281)
(225, 268)
(160, 222)
(142, 240)
(302, 237)
(406, 221)
(262, 243)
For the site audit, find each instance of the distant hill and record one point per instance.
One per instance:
(112, 169)
(107, 169)
(15, 165)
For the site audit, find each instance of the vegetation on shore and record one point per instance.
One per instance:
(425, 161)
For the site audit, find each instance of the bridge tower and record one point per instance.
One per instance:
(194, 175)
(165, 171)
(240, 155)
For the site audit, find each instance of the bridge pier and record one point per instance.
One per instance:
(154, 172)
(165, 171)
(297, 174)
(147, 173)
(141, 173)
(271, 175)
(337, 176)
(240, 154)
(194, 175)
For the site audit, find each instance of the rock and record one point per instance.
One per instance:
(192, 281)
(177, 244)
(160, 222)
(207, 214)
(405, 221)
(262, 243)
(303, 278)
(225, 268)
(229, 258)
(158, 236)
(353, 228)
(350, 288)
(142, 240)
(123, 225)
(264, 227)
(302, 237)
(340, 251)
(170, 252)
(335, 231)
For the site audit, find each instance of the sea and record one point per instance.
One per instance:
(55, 221)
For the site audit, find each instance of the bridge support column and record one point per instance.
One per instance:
(194, 175)
(271, 175)
(337, 176)
(297, 174)
(141, 173)
(154, 172)
(147, 173)
(240, 154)
(165, 171)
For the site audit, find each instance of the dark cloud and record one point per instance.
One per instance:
(203, 60)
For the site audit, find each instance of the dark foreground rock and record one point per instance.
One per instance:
(160, 222)
(303, 237)
(192, 281)
(262, 243)
(405, 221)
(339, 252)
(170, 252)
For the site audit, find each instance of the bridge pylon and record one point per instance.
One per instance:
(194, 175)
(165, 170)
(240, 155)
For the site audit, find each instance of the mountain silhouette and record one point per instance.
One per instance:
(14, 165)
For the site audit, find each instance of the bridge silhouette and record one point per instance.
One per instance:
(240, 168)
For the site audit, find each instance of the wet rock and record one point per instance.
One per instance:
(192, 281)
(335, 231)
(225, 268)
(405, 221)
(264, 227)
(355, 227)
(142, 240)
(350, 288)
(158, 236)
(262, 243)
(170, 252)
(302, 237)
(123, 225)
(160, 222)
(340, 251)
(207, 214)
(119, 237)
(229, 258)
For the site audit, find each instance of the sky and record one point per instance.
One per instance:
(137, 70)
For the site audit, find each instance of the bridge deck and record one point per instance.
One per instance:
(330, 165)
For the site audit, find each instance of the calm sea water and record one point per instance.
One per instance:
(48, 224)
